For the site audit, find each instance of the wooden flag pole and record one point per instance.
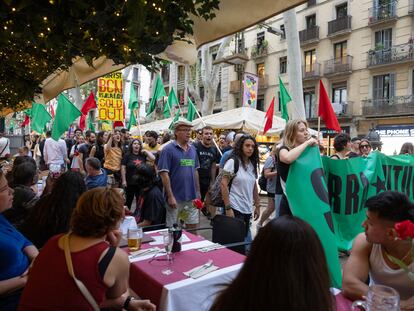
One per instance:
(139, 125)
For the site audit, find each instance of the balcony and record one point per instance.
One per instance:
(344, 109)
(394, 106)
(308, 36)
(411, 7)
(259, 51)
(339, 26)
(263, 82)
(383, 13)
(338, 66)
(311, 72)
(396, 54)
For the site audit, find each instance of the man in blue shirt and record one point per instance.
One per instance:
(178, 166)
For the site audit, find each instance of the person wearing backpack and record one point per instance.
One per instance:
(238, 200)
(269, 173)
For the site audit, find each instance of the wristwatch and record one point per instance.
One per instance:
(127, 301)
(227, 207)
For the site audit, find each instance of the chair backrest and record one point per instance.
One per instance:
(227, 230)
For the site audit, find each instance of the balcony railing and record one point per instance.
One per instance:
(411, 7)
(263, 81)
(309, 35)
(383, 12)
(339, 25)
(397, 105)
(395, 54)
(312, 71)
(338, 66)
(259, 51)
(343, 109)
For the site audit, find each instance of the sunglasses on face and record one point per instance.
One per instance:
(364, 146)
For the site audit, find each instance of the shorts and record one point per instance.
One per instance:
(270, 195)
(172, 214)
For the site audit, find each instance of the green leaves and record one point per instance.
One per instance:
(39, 37)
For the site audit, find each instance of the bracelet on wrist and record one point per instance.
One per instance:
(127, 302)
(227, 207)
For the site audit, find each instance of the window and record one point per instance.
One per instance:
(341, 10)
(135, 74)
(260, 70)
(311, 2)
(165, 73)
(181, 73)
(260, 37)
(283, 65)
(383, 86)
(282, 28)
(339, 94)
(260, 103)
(218, 92)
(340, 51)
(180, 95)
(383, 39)
(310, 103)
(201, 92)
(136, 88)
(310, 21)
(310, 60)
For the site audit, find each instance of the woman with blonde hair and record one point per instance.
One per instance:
(90, 248)
(295, 140)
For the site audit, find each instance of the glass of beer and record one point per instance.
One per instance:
(134, 238)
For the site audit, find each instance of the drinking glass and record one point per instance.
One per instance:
(134, 238)
(168, 241)
(380, 298)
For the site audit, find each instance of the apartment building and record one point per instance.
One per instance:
(363, 50)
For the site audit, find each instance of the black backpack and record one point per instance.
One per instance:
(215, 193)
(262, 179)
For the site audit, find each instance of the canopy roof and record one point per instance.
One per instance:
(240, 118)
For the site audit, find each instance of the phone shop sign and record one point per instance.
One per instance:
(396, 131)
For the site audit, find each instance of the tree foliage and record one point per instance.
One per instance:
(38, 37)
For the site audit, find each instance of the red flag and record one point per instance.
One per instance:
(26, 121)
(89, 104)
(269, 116)
(52, 111)
(82, 122)
(326, 111)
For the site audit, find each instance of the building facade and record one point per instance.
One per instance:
(363, 51)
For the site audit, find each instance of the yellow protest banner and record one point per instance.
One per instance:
(110, 102)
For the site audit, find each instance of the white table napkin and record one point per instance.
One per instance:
(144, 252)
(200, 272)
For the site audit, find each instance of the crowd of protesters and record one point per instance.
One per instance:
(54, 187)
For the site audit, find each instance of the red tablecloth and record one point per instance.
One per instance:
(147, 279)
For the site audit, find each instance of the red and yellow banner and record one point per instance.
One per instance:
(110, 102)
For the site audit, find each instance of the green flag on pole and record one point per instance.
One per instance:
(172, 101)
(133, 101)
(132, 120)
(284, 99)
(91, 126)
(191, 110)
(159, 92)
(176, 117)
(66, 113)
(39, 117)
(312, 205)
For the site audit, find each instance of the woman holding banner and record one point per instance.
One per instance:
(113, 157)
(295, 140)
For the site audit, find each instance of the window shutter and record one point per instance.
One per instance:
(392, 85)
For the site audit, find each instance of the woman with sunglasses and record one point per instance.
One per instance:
(365, 147)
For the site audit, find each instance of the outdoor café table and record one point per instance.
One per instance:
(178, 292)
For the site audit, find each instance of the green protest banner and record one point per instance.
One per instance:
(351, 182)
(331, 194)
(308, 198)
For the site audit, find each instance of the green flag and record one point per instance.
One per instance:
(133, 101)
(284, 99)
(312, 205)
(132, 119)
(172, 101)
(191, 110)
(176, 117)
(91, 126)
(159, 92)
(39, 117)
(66, 113)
